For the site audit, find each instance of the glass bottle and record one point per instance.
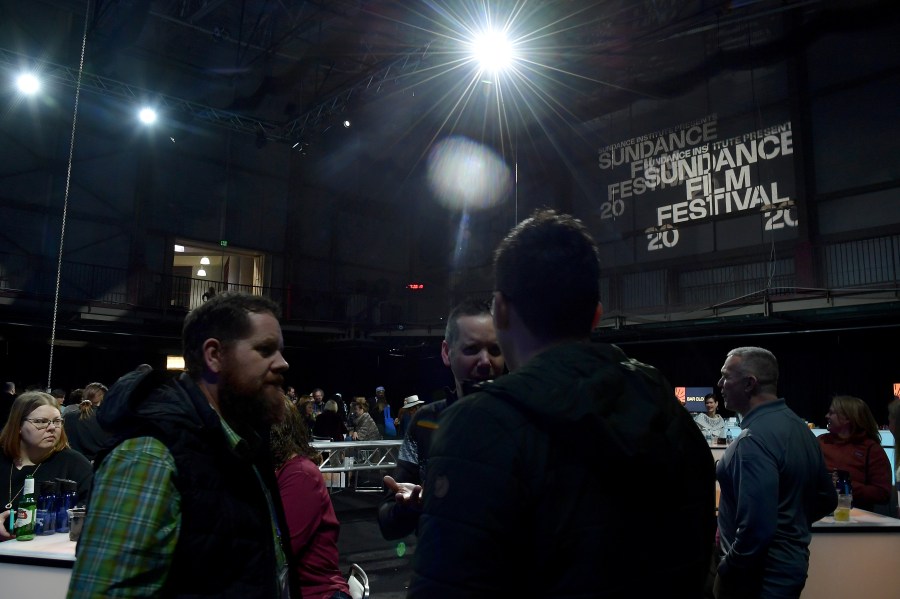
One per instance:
(46, 508)
(25, 513)
(64, 502)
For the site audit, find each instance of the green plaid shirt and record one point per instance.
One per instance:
(131, 531)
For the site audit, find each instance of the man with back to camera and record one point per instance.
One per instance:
(186, 503)
(773, 482)
(471, 352)
(559, 478)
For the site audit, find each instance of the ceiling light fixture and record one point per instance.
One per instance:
(201, 273)
(147, 116)
(493, 52)
(204, 260)
(28, 84)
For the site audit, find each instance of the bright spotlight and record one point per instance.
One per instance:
(346, 124)
(147, 116)
(28, 83)
(493, 51)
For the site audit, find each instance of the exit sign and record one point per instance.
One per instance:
(223, 243)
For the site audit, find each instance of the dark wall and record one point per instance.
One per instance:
(814, 366)
(343, 368)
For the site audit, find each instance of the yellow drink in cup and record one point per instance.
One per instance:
(842, 514)
(842, 511)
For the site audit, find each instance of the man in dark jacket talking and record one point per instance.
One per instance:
(577, 474)
(186, 503)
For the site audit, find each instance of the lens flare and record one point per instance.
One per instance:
(466, 174)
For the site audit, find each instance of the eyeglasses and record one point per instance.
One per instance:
(42, 423)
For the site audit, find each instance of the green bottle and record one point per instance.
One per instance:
(24, 527)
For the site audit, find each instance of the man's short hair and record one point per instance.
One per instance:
(468, 307)
(226, 317)
(758, 362)
(549, 269)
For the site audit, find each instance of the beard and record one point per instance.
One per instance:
(249, 410)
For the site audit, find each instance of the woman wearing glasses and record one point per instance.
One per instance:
(34, 442)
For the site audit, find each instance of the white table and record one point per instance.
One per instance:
(38, 568)
(850, 559)
(854, 559)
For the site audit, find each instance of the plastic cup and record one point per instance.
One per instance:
(842, 511)
(76, 523)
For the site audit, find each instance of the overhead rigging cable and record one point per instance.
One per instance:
(62, 231)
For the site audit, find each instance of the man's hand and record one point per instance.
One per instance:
(406, 494)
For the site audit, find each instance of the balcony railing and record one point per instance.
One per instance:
(858, 268)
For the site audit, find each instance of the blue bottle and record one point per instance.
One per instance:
(45, 521)
(65, 501)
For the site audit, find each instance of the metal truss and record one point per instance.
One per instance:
(112, 88)
(367, 455)
(292, 132)
(405, 65)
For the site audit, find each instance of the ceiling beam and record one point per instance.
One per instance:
(106, 86)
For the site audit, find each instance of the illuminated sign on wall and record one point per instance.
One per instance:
(693, 398)
(693, 188)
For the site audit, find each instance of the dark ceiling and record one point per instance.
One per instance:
(286, 68)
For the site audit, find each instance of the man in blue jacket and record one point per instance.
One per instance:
(774, 485)
(576, 474)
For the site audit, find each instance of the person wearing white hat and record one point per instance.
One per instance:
(411, 402)
(410, 406)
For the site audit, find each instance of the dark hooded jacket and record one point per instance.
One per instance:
(225, 544)
(578, 475)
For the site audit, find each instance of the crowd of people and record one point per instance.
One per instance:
(206, 484)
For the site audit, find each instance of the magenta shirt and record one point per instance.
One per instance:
(313, 527)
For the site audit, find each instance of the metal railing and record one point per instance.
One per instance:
(367, 455)
(858, 269)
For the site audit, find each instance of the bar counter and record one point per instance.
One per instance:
(38, 568)
(847, 559)
(854, 559)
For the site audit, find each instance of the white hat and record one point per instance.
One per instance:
(412, 400)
